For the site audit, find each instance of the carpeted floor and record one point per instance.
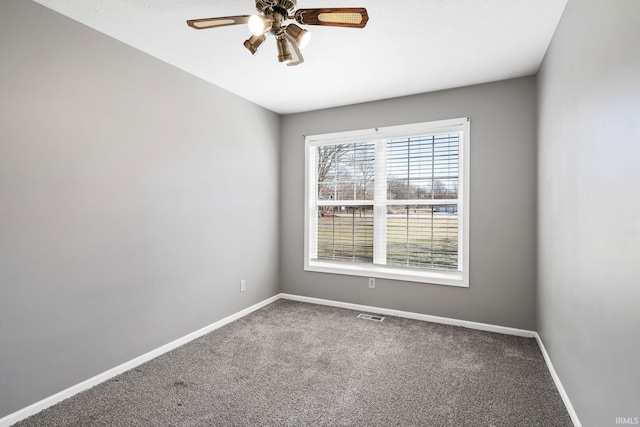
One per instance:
(298, 364)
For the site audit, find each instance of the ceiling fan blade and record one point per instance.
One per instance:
(222, 21)
(351, 17)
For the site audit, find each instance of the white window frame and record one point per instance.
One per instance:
(458, 277)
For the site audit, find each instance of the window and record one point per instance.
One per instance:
(390, 202)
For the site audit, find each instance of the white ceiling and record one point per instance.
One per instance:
(423, 46)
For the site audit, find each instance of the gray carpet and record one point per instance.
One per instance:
(297, 364)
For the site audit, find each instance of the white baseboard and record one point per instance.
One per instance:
(416, 316)
(558, 383)
(91, 382)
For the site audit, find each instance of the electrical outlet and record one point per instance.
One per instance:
(372, 283)
(243, 285)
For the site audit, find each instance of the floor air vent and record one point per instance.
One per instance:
(370, 317)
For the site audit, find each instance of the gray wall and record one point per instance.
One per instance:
(129, 192)
(503, 204)
(589, 207)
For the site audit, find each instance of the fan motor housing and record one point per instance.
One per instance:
(265, 6)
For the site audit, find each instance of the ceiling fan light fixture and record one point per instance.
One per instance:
(253, 43)
(258, 25)
(289, 38)
(300, 36)
(284, 53)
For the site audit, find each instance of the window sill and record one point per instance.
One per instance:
(454, 278)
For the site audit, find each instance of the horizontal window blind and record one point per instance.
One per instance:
(424, 167)
(345, 171)
(346, 234)
(392, 202)
(423, 236)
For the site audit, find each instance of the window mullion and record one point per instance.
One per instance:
(380, 204)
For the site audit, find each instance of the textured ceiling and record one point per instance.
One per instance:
(423, 46)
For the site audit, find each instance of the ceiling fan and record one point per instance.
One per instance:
(290, 38)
